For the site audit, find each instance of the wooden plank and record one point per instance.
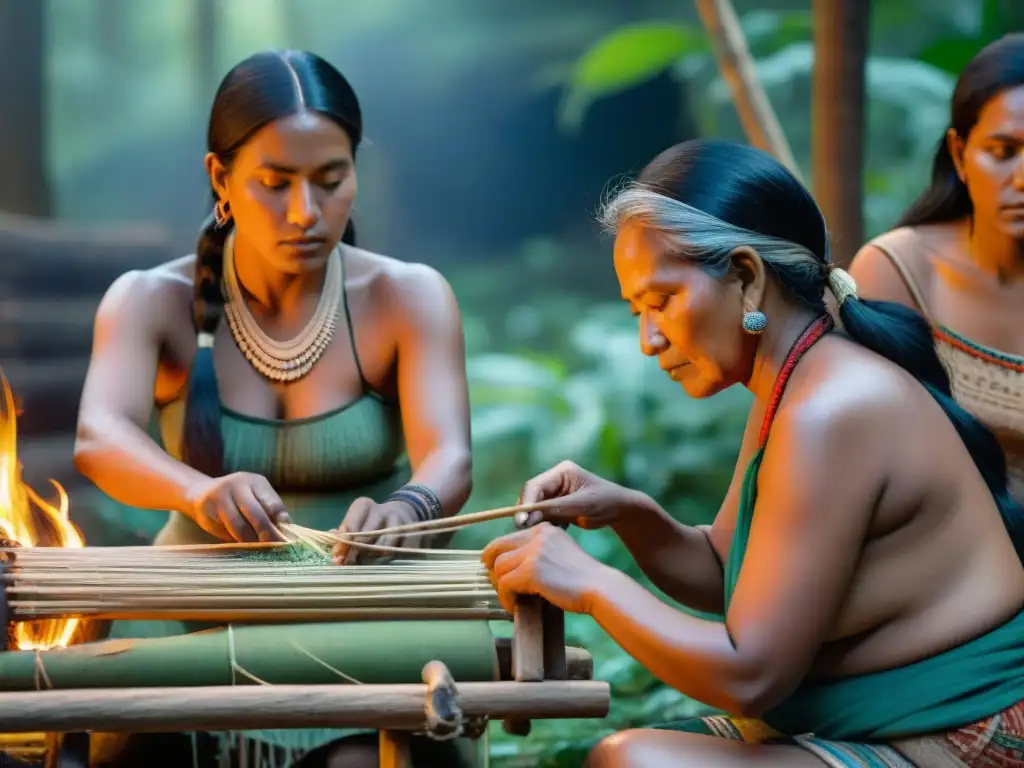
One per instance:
(46, 328)
(227, 708)
(45, 258)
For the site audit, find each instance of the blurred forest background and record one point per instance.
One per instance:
(493, 128)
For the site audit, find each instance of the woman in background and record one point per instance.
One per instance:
(957, 254)
(290, 370)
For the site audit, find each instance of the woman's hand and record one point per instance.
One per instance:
(237, 507)
(543, 560)
(585, 499)
(366, 515)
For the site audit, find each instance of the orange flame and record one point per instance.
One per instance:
(29, 520)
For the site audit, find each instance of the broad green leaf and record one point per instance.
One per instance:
(629, 56)
(633, 54)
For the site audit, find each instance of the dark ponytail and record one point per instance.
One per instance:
(904, 336)
(711, 196)
(265, 87)
(998, 67)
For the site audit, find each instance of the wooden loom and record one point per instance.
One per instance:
(538, 676)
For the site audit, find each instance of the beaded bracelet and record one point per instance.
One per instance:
(423, 501)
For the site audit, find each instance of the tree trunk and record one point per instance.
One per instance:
(837, 132)
(23, 182)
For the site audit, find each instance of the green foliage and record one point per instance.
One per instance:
(908, 89)
(952, 53)
(635, 53)
(630, 55)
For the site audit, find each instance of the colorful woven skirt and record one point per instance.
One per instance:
(837, 754)
(995, 742)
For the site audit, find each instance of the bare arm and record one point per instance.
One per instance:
(432, 386)
(681, 560)
(773, 631)
(112, 446)
(677, 558)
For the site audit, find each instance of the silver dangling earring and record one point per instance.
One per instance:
(754, 322)
(220, 214)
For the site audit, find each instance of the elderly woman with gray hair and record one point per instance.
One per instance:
(865, 568)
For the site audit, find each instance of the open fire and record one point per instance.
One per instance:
(28, 520)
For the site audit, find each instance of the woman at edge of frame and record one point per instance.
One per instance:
(865, 566)
(291, 371)
(957, 253)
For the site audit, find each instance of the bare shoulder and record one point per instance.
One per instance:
(413, 289)
(915, 247)
(151, 297)
(849, 402)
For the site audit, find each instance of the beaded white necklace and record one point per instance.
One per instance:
(293, 358)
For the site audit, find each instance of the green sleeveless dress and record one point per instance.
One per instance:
(850, 721)
(318, 466)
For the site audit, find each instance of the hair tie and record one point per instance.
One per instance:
(841, 284)
(205, 340)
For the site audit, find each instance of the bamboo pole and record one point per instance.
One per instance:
(737, 67)
(459, 521)
(226, 708)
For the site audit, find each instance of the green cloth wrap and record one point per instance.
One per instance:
(960, 686)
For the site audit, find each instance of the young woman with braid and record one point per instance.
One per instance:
(291, 371)
(866, 564)
(957, 254)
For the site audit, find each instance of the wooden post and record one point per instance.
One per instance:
(527, 651)
(841, 31)
(578, 662)
(394, 750)
(528, 640)
(555, 664)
